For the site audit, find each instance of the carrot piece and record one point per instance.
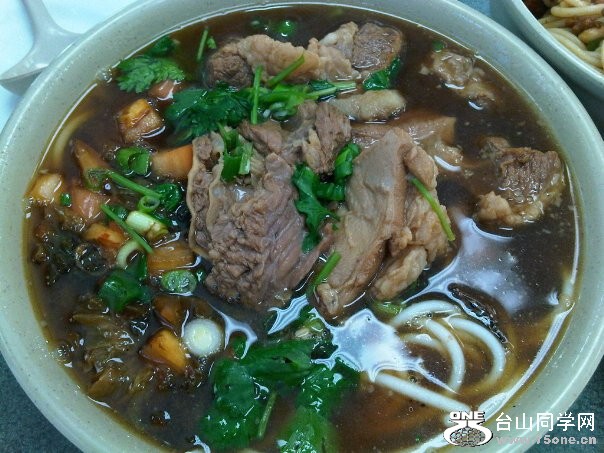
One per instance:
(173, 163)
(169, 310)
(46, 188)
(105, 235)
(86, 204)
(165, 348)
(172, 255)
(87, 157)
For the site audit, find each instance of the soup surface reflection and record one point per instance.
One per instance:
(301, 229)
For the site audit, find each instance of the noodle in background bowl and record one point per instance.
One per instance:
(552, 390)
(562, 58)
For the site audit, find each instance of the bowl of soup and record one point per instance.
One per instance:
(567, 34)
(300, 227)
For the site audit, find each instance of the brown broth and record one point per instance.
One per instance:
(535, 259)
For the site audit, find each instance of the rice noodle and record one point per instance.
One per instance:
(576, 23)
(423, 309)
(421, 394)
(489, 340)
(423, 339)
(458, 362)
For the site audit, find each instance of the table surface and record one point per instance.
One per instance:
(22, 427)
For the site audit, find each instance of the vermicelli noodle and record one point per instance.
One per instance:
(579, 26)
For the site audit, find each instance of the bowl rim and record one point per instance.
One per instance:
(83, 436)
(563, 59)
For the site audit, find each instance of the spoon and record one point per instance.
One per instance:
(49, 41)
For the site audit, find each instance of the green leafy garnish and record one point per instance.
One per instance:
(124, 286)
(325, 271)
(205, 42)
(109, 212)
(139, 73)
(593, 45)
(442, 217)
(306, 181)
(237, 155)
(286, 71)
(196, 111)
(383, 79)
(171, 195)
(163, 47)
(283, 30)
(247, 387)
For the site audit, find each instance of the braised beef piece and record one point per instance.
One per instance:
(461, 74)
(226, 65)
(375, 47)
(373, 105)
(315, 135)
(249, 230)
(528, 181)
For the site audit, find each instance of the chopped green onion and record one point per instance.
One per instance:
(179, 281)
(147, 204)
(133, 234)
(286, 72)
(146, 225)
(133, 160)
(121, 288)
(325, 271)
(442, 217)
(322, 88)
(125, 251)
(65, 199)
(128, 184)
(266, 414)
(255, 95)
(438, 45)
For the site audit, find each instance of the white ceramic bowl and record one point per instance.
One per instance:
(22, 339)
(565, 61)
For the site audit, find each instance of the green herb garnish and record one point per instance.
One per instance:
(139, 73)
(383, 79)
(442, 217)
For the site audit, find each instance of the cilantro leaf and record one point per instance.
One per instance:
(309, 432)
(383, 79)
(197, 111)
(139, 73)
(163, 47)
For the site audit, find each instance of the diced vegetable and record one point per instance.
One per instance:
(86, 203)
(86, 157)
(169, 310)
(179, 281)
(105, 235)
(173, 163)
(165, 348)
(138, 119)
(203, 337)
(148, 226)
(173, 255)
(47, 188)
